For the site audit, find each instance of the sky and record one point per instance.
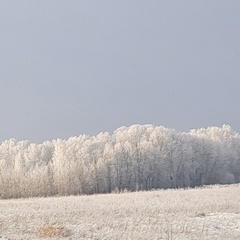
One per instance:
(84, 67)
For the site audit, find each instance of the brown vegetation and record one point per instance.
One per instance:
(51, 231)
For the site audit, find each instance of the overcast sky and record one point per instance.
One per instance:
(74, 67)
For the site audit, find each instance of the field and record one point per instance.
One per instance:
(205, 213)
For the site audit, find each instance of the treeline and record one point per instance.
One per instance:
(140, 157)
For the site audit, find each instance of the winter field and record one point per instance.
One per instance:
(211, 212)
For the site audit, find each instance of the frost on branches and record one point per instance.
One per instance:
(140, 157)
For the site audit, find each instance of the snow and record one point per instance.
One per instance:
(204, 213)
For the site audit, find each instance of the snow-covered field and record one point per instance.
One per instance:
(208, 213)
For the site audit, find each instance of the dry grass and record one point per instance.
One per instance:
(211, 213)
(50, 231)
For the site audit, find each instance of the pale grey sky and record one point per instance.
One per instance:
(74, 67)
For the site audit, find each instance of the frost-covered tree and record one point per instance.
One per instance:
(139, 157)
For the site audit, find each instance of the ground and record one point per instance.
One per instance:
(205, 213)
